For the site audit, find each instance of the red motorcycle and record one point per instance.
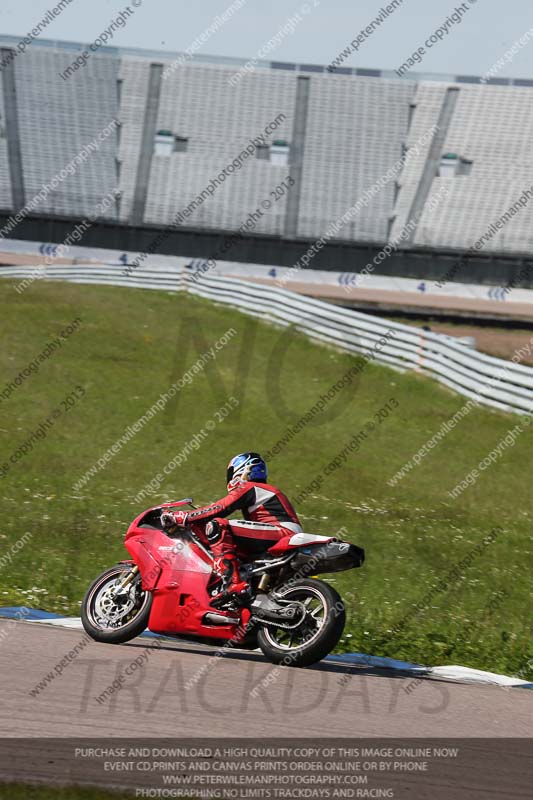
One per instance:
(168, 584)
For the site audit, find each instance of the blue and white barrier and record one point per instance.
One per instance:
(487, 380)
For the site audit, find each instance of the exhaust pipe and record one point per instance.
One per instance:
(220, 619)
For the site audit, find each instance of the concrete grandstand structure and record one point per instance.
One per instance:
(490, 127)
(356, 137)
(46, 122)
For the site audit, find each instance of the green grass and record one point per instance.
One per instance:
(133, 344)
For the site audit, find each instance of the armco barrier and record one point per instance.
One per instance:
(490, 381)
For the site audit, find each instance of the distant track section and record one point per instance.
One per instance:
(487, 380)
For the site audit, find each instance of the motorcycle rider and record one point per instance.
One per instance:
(268, 515)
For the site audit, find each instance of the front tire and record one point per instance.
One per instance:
(114, 619)
(319, 633)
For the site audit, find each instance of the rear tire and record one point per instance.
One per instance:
(135, 608)
(323, 631)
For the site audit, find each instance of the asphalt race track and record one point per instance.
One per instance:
(184, 689)
(184, 692)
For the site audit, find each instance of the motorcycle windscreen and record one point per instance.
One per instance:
(156, 554)
(182, 555)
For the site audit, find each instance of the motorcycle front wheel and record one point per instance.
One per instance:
(114, 615)
(318, 633)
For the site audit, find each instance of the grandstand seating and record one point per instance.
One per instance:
(57, 119)
(133, 77)
(492, 126)
(428, 99)
(198, 103)
(355, 133)
(6, 198)
(356, 128)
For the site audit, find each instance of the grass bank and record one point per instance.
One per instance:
(431, 591)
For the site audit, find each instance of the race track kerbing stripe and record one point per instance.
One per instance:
(454, 674)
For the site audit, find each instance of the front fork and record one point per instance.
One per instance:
(129, 577)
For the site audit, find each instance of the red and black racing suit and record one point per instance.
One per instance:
(268, 517)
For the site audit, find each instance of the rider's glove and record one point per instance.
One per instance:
(171, 518)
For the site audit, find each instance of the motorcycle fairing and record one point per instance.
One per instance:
(177, 572)
(298, 540)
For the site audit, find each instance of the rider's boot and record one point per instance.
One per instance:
(233, 589)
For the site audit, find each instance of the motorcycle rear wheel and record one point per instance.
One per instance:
(319, 633)
(111, 619)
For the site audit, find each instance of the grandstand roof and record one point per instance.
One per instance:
(362, 72)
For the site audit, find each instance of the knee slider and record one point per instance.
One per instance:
(213, 531)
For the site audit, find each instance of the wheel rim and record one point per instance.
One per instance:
(315, 619)
(109, 610)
